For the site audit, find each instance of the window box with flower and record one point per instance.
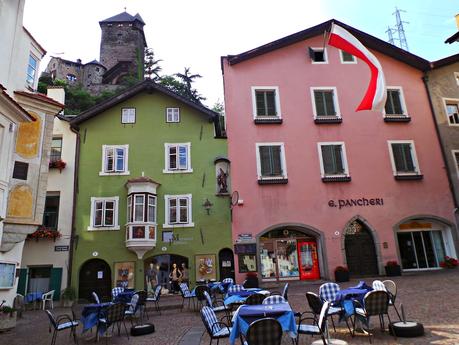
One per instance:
(57, 164)
(449, 262)
(44, 232)
(393, 269)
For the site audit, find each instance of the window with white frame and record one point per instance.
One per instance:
(265, 102)
(333, 160)
(325, 102)
(178, 211)
(271, 161)
(141, 208)
(104, 213)
(114, 160)
(172, 114)
(403, 157)
(32, 70)
(318, 55)
(452, 111)
(395, 102)
(456, 160)
(128, 115)
(178, 158)
(347, 58)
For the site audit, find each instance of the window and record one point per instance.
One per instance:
(172, 114)
(271, 166)
(318, 55)
(151, 209)
(56, 149)
(347, 58)
(403, 159)
(266, 104)
(452, 111)
(395, 102)
(20, 170)
(114, 160)
(128, 115)
(51, 213)
(333, 162)
(31, 70)
(456, 160)
(178, 211)
(178, 158)
(104, 214)
(144, 207)
(325, 104)
(71, 77)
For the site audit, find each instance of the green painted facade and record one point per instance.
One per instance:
(146, 156)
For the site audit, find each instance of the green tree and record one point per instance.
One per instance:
(152, 67)
(188, 79)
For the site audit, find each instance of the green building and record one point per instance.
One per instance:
(152, 190)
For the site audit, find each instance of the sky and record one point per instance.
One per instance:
(196, 33)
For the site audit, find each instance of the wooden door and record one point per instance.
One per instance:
(95, 275)
(226, 262)
(360, 251)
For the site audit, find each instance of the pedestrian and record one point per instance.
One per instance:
(185, 274)
(175, 276)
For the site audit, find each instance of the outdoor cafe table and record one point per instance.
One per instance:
(345, 298)
(92, 313)
(33, 296)
(124, 297)
(246, 314)
(241, 296)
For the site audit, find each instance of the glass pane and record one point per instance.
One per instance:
(422, 263)
(407, 252)
(320, 103)
(270, 103)
(403, 158)
(265, 162)
(151, 209)
(138, 208)
(109, 159)
(129, 209)
(172, 157)
(183, 157)
(109, 217)
(328, 159)
(267, 260)
(172, 211)
(260, 100)
(183, 210)
(138, 232)
(119, 159)
(329, 104)
(438, 244)
(428, 245)
(287, 258)
(276, 160)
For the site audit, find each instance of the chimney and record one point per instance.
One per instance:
(457, 20)
(57, 93)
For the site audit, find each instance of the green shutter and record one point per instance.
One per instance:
(339, 166)
(22, 284)
(320, 105)
(265, 161)
(55, 282)
(276, 160)
(393, 103)
(260, 99)
(328, 159)
(403, 158)
(329, 104)
(271, 103)
(409, 164)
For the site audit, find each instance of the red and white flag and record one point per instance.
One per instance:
(375, 97)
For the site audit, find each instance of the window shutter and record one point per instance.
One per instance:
(271, 103)
(329, 104)
(22, 284)
(338, 150)
(311, 53)
(260, 100)
(319, 101)
(328, 160)
(55, 282)
(172, 157)
(265, 161)
(408, 158)
(403, 158)
(276, 160)
(397, 102)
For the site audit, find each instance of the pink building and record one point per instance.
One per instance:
(321, 185)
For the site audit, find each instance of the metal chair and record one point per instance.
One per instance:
(319, 325)
(186, 295)
(391, 288)
(133, 308)
(256, 298)
(199, 292)
(62, 323)
(235, 288)
(116, 291)
(217, 305)
(114, 315)
(327, 293)
(267, 331)
(215, 328)
(142, 305)
(48, 297)
(155, 298)
(284, 292)
(378, 285)
(96, 298)
(274, 300)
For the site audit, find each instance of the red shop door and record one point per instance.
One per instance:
(308, 259)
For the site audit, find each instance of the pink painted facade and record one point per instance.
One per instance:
(304, 202)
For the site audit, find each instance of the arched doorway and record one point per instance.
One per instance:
(289, 253)
(95, 275)
(157, 268)
(360, 249)
(226, 261)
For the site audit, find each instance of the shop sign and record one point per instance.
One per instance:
(244, 237)
(340, 203)
(415, 225)
(61, 248)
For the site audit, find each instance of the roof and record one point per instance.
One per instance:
(35, 41)
(123, 17)
(40, 97)
(142, 179)
(366, 39)
(67, 61)
(445, 61)
(94, 62)
(453, 38)
(144, 86)
(15, 104)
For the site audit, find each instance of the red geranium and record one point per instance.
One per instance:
(449, 262)
(44, 232)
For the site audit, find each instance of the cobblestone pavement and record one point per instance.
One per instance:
(430, 298)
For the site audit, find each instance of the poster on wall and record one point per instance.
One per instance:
(7, 275)
(124, 274)
(205, 267)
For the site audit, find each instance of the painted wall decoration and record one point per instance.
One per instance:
(29, 135)
(20, 202)
(205, 267)
(124, 274)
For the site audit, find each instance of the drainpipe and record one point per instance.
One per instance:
(75, 190)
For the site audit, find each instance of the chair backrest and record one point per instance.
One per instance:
(376, 302)
(315, 303)
(323, 316)
(209, 319)
(142, 297)
(228, 281)
(134, 303)
(199, 292)
(52, 320)
(378, 285)
(285, 291)
(235, 288)
(391, 288)
(208, 299)
(96, 297)
(328, 291)
(115, 312)
(256, 298)
(116, 291)
(184, 290)
(274, 300)
(157, 294)
(49, 295)
(267, 331)
(18, 304)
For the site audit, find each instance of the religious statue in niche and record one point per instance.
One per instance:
(222, 181)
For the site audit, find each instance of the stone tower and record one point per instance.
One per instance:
(122, 47)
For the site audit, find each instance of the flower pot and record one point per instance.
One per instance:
(251, 282)
(341, 276)
(393, 271)
(7, 321)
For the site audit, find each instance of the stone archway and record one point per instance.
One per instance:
(95, 275)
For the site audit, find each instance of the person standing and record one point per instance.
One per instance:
(185, 274)
(175, 276)
(151, 278)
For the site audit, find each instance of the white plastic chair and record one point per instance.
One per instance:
(48, 297)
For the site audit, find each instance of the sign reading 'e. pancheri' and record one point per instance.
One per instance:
(340, 203)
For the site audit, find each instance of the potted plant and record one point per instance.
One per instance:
(393, 269)
(68, 296)
(43, 232)
(57, 164)
(341, 274)
(449, 262)
(7, 318)
(251, 280)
